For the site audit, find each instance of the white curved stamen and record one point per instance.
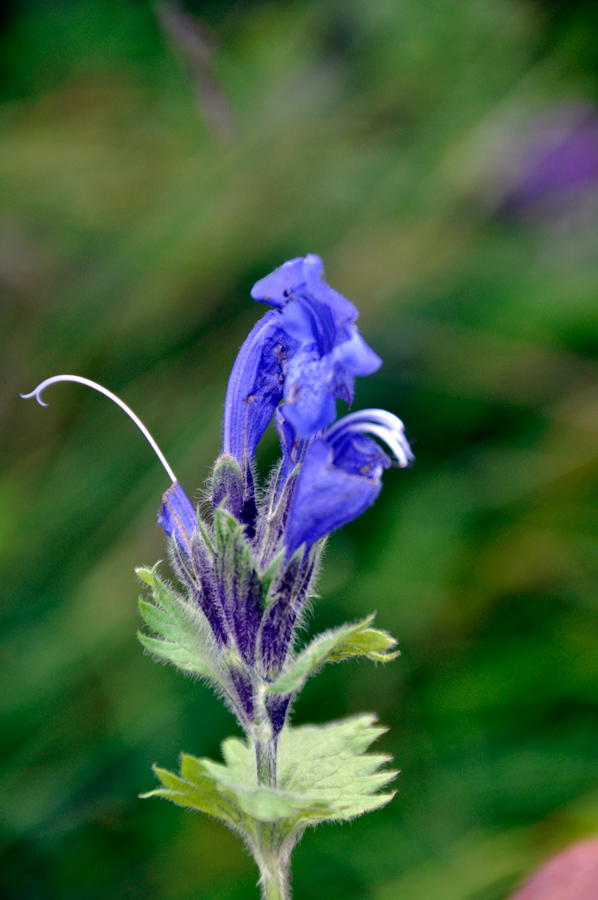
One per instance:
(381, 416)
(381, 424)
(102, 390)
(394, 441)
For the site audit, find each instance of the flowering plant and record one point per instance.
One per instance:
(246, 574)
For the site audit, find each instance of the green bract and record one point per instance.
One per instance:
(184, 638)
(333, 646)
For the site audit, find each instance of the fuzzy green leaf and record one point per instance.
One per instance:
(174, 605)
(324, 774)
(326, 763)
(262, 803)
(203, 796)
(332, 646)
(144, 575)
(175, 654)
(329, 762)
(180, 626)
(159, 620)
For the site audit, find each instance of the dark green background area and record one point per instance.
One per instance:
(145, 184)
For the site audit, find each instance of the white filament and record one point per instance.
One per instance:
(102, 390)
(382, 416)
(381, 424)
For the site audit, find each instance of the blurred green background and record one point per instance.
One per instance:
(442, 157)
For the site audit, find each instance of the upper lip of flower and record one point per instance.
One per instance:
(328, 349)
(308, 304)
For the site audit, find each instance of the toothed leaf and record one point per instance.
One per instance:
(332, 646)
(180, 627)
(329, 762)
(324, 774)
(159, 620)
(202, 795)
(175, 654)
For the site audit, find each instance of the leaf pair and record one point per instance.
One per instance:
(324, 774)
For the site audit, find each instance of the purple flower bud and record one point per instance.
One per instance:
(277, 706)
(197, 574)
(244, 691)
(340, 476)
(178, 517)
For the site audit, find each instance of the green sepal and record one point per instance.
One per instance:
(181, 628)
(324, 774)
(335, 645)
(234, 564)
(268, 577)
(233, 553)
(206, 538)
(228, 488)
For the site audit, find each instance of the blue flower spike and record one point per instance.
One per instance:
(247, 572)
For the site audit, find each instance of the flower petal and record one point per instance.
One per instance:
(342, 309)
(255, 387)
(309, 394)
(298, 322)
(177, 516)
(326, 496)
(276, 287)
(355, 355)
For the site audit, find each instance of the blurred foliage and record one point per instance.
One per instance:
(151, 169)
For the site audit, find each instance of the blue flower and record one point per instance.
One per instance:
(340, 476)
(328, 349)
(307, 350)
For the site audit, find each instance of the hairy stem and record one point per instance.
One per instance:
(274, 879)
(265, 759)
(270, 855)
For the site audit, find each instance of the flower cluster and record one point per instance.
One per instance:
(246, 573)
(249, 572)
(306, 353)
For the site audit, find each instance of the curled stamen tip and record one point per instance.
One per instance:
(78, 379)
(37, 394)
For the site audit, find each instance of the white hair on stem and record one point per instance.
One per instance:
(102, 390)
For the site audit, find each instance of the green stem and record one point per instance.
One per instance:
(274, 879)
(265, 760)
(271, 857)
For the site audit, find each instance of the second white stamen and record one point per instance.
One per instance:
(102, 390)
